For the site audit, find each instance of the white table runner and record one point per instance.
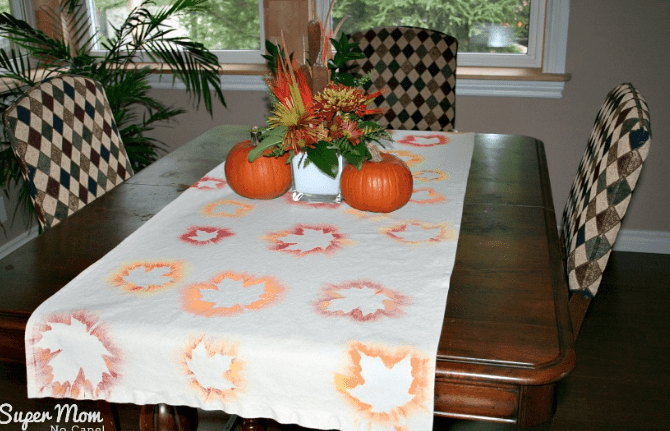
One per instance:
(315, 314)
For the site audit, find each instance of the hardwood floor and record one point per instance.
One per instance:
(622, 378)
(621, 382)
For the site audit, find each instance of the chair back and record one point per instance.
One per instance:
(599, 197)
(415, 68)
(63, 133)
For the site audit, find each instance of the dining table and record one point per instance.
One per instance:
(505, 337)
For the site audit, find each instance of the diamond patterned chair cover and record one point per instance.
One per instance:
(601, 192)
(416, 70)
(64, 135)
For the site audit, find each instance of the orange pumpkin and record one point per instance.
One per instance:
(264, 178)
(379, 186)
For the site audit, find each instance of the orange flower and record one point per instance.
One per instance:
(344, 127)
(294, 111)
(339, 98)
(290, 86)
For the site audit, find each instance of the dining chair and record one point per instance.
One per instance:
(63, 133)
(600, 194)
(415, 69)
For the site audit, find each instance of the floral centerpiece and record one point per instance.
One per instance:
(319, 111)
(319, 125)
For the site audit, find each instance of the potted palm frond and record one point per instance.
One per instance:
(144, 36)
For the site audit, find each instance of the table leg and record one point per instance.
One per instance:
(255, 424)
(163, 417)
(536, 404)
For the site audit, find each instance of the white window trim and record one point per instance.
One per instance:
(20, 9)
(248, 56)
(552, 62)
(226, 56)
(531, 59)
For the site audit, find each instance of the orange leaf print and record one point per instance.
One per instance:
(364, 215)
(210, 183)
(61, 370)
(203, 235)
(214, 369)
(409, 158)
(147, 277)
(426, 195)
(430, 175)
(401, 374)
(305, 239)
(222, 209)
(230, 293)
(361, 301)
(416, 232)
(424, 140)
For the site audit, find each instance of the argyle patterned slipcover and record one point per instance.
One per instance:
(63, 133)
(601, 192)
(416, 70)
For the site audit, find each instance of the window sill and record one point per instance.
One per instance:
(470, 81)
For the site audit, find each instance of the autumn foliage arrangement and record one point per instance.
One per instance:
(320, 110)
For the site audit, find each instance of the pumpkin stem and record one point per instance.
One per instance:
(375, 153)
(255, 136)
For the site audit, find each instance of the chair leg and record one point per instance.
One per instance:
(163, 417)
(110, 419)
(578, 305)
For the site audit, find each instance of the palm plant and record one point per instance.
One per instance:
(144, 35)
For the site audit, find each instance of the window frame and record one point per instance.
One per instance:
(225, 56)
(22, 9)
(540, 74)
(546, 81)
(533, 58)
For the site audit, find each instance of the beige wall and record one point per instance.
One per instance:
(609, 42)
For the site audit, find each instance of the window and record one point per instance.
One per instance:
(229, 28)
(506, 47)
(18, 9)
(489, 32)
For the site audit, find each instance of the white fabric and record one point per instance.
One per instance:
(314, 314)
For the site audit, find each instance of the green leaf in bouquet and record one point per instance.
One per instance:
(324, 158)
(343, 78)
(269, 139)
(355, 158)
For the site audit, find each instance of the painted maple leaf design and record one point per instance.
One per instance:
(214, 369)
(226, 208)
(210, 183)
(202, 235)
(424, 140)
(303, 240)
(230, 293)
(147, 277)
(364, 215)
(85, 365)
(426, 195)
(430, 175)
(408, 157)
(416, 232)
(361, 300)
(385, 385)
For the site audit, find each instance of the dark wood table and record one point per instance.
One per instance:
(506, 338)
